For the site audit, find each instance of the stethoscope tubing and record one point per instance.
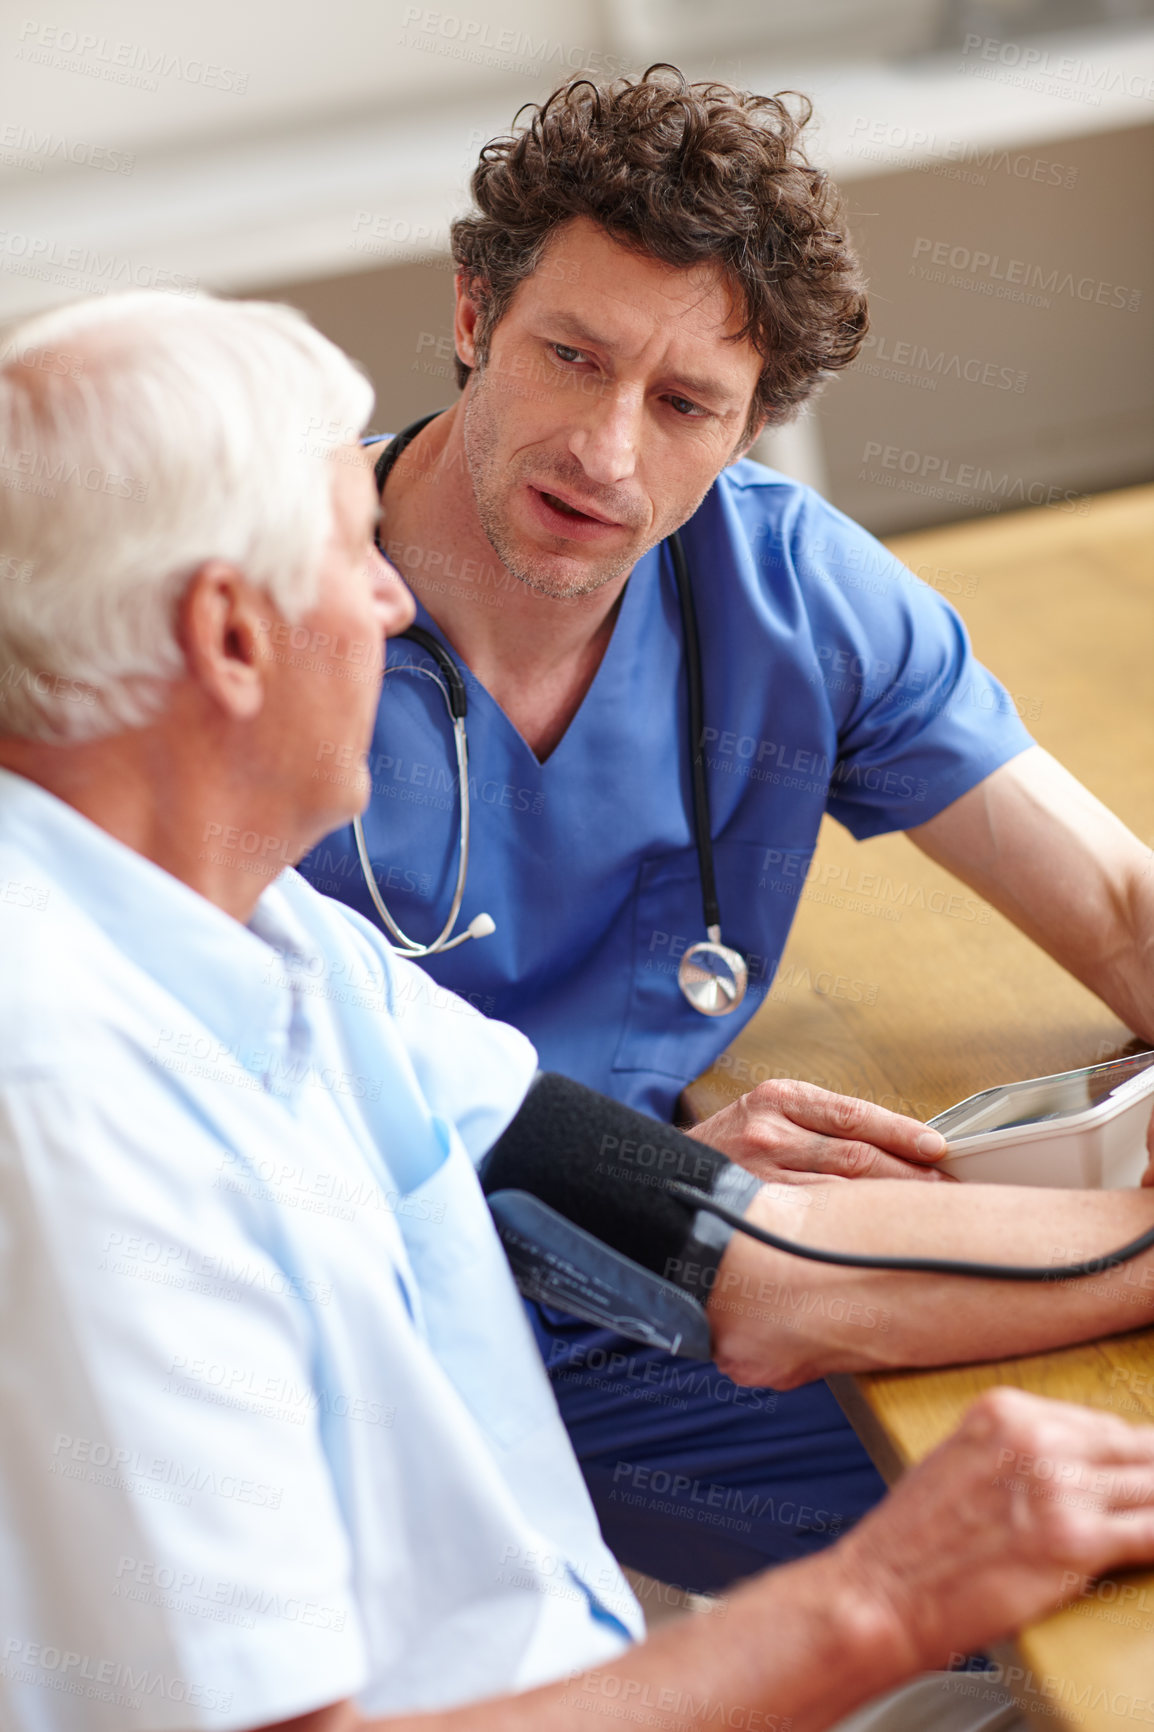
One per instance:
(702, 829)
(411, 947)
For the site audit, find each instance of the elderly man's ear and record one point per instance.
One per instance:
(222, 627)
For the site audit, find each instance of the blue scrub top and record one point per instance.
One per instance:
(834, 681)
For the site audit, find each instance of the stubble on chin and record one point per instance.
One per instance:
(491, 480)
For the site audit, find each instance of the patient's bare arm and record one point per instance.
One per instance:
(808, 1643)
(781, 1321)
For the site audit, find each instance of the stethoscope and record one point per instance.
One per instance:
(712, 977)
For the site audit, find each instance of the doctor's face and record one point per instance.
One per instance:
(614, 392)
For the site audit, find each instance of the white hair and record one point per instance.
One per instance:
(141, 435)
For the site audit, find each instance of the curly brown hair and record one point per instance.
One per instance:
(690, 174)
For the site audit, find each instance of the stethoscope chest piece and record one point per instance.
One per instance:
(713, 977)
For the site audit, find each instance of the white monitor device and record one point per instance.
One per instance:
(1080, 1130)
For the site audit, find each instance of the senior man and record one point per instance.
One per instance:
(652, 275)
(278, 1447)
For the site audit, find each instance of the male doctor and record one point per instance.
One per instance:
(278, 1448)
(652, 275)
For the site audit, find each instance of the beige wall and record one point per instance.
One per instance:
(398, 323)
(1084, 417)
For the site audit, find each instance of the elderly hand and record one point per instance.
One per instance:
(792, 1132)
(1148, 1175)
(1017, 1512)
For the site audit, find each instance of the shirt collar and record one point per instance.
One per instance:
(239, 981)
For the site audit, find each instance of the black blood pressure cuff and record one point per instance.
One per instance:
(578, 1188)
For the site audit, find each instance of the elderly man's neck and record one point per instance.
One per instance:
(182, 808)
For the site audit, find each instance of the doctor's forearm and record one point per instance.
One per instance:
(1057, 862)
(780, 1320)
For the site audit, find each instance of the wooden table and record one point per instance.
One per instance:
(906, 997)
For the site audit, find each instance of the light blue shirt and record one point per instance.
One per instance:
(275, 1430)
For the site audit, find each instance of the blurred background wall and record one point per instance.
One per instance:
(997, 155)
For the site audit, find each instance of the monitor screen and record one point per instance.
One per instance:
(1031, 1103)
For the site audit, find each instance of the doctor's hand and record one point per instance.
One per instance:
(793, 1132)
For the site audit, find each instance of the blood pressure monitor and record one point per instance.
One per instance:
(623, 1221)
(1080, 1130)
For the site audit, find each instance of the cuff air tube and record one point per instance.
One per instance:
(578, 1186)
